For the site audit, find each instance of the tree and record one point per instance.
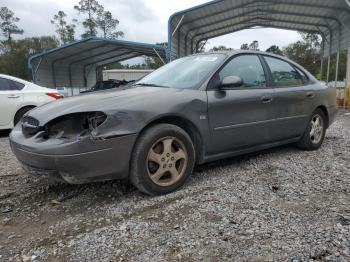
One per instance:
(275, 50)
(8, 22)
(244, 47)
(108, 25)
(341, 69)
(65, 31)
(254, 45)
(302, 53)
(14, 57)
(313, 39)
(220, 48)
(306, 52)
(92, 8)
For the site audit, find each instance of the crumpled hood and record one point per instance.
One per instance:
(104, 101)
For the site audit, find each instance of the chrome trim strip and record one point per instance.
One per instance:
(258, 122)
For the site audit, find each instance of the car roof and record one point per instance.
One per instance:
(14, 79)
(239, 51)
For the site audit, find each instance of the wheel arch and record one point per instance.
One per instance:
(188, 126)
(21, 108)
(326, 113)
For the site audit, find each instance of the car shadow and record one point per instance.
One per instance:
(100, 190)
(242, 158)
(5, 133)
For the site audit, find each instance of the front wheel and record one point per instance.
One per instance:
(163, 159)
(315, 132)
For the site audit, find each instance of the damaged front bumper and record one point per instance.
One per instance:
(79, 161)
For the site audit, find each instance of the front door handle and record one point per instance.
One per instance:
(266, 99)
(310, 95)
(13, 96)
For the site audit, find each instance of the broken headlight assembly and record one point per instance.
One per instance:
(74, 126)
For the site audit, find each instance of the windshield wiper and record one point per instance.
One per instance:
(148, 84)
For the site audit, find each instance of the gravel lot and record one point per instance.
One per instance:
(277, 205)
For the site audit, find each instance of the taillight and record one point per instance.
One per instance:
(54, 95)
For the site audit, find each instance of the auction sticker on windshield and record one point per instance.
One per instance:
(206, 58)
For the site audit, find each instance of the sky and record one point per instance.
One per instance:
(141, 20)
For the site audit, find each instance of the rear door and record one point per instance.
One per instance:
(11, 99)
(293, 98)
(240, 117)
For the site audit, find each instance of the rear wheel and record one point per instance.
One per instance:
(162, 160)
(314, 134)
(20, 114)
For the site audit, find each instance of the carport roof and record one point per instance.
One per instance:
(189, 27)
(97, 51)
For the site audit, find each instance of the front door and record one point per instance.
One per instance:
(240, 117)
(10, 100)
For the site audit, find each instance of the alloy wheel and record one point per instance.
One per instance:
(316, 130)
(167, 161)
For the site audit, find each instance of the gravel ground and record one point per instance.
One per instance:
(281, 204)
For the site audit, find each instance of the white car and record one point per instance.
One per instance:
(18, 96)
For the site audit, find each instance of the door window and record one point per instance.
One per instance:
(283, 74)
(16, 85)
(9, 85)
(4, 85)
(248, 68)
(304, 77)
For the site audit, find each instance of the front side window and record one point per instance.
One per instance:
(185, 73)
(304, 77)
(283, 74)
(248, 68)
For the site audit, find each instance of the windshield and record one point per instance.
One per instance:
(185, 73)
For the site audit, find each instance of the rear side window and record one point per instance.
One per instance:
(4, 85)
(283, 74)
(10, 85)
(16, 85)
(248, 68)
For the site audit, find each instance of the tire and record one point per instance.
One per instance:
(312, 139)
(162, 149)
(20, 114)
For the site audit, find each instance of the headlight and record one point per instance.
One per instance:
(74, 126)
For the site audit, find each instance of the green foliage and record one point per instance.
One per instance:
(108, 25)
(275, 50)
(332, 69)
(8, 22)
(306, 52)
(65, 31)
(220, 48)
(15, 54)
(98, 18)
(244, 47)
(252, 46)
(91, 8)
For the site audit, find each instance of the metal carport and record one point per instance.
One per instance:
(75, 64)
(191, 27)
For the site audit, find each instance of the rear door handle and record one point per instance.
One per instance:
(310, 95)
(13, 96)
(266, 99)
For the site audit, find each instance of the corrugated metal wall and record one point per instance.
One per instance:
(222, 17)
(58, 75)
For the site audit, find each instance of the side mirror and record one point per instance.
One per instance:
(231, 81)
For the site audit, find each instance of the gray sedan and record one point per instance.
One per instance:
(193, 110)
